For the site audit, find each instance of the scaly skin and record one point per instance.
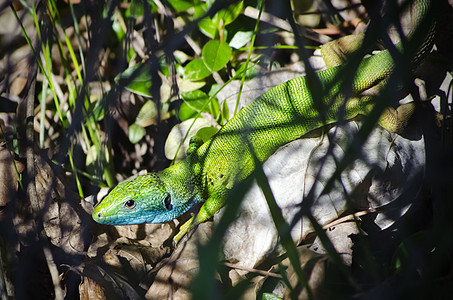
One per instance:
(277, 117)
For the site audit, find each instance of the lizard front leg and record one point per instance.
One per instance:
(213, 204)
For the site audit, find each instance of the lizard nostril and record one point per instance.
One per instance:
(99, 215)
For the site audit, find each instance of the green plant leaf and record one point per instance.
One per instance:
(215, 110)
(269, 296)
(206, 133)
(216, 55)
(118, 29)
(207, 27)
(240, 39)
(186, 112)
(225, 111)
(98, 111)
(196, 70)
(91, 156)
(141, 84)
(229, 14)
(136, 133)
(178, 140)
(135, 10)
(148, 114)
(200, 10)
(186, 85)
(196, 99)
(209, 3)
(180, 5)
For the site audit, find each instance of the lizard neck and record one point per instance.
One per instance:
(182, 181)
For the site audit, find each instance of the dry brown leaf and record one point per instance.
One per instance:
(315, 268)
(99, 283)
(339, 236)
(89, 289)
(133, 257)
(174, 275)
(62, 216)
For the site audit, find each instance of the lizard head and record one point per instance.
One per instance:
(145, 199)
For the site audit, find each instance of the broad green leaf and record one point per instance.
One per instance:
(209, 3)
(186, 112)
(206, 133)
(139, 77)
(240, 39)
(269, 296)
(196, 70)
(181, 56)
(229, 14)
(196, 99)
(216, 55)
(141, 82)
(186, 85)
(136, 133)
(149, 114)
(200, 10)
(207, 27)
(180, 5)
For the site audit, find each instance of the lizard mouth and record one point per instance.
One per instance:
(100, 217)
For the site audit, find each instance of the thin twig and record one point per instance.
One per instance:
(350, 217)
(251, 270)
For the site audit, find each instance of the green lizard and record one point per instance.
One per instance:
(279, 116)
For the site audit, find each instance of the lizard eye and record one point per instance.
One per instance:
(167, 202)
(129, 204)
